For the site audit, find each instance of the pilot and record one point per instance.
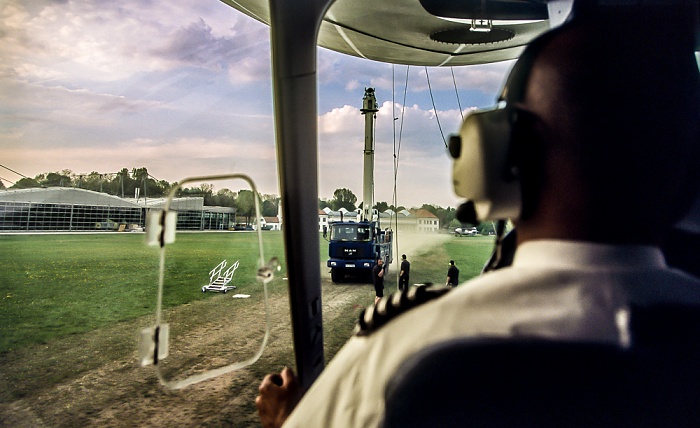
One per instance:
(605, 141)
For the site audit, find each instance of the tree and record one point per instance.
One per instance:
(343, 198)
(206, 193)
(149, 186)
(164, 186)
(124, 184)
(92, 181)
(323, 203)
(486, 228)
(56, 179)
(139, 174)
(225, 198)
(270, 205)
(245, 202)
(446, 216)
(207, 188)
(25, 183)
(381, 206)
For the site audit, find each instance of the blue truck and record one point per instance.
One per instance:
(355, 247)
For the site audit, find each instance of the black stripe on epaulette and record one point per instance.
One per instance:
(388, 308)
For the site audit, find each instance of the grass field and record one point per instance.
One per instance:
(72, 305)
(55, 285)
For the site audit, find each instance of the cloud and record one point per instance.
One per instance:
(184, 88)
(424, 168)
(343, 120)
(352, 85)
(196, 45)
(60, 107)
(111, 40)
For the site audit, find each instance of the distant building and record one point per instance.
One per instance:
(73, 209)
(426, 222)
(323, 220)
(271, 223)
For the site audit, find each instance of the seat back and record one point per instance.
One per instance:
(543, 383)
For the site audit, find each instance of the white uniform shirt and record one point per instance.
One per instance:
(554, 289)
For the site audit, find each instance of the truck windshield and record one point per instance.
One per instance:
(350, 232)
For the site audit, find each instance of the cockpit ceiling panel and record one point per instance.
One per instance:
(402, 32)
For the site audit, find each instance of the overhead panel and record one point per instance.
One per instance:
(404, 32)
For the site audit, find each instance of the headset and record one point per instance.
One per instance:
(487, 160)
(489, 153)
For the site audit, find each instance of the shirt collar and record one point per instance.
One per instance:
(558, 254)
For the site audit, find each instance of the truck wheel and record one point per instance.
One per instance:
(337, 275)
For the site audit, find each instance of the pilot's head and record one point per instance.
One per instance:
(603, 128)
(610, 131)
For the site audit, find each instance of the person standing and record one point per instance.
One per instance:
(452, 275)
(403, 275)
(378, 280)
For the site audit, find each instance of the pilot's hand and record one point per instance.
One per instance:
(279, 394)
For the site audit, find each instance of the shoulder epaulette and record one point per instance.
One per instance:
(388, 308)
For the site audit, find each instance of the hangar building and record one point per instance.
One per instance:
(73, 209)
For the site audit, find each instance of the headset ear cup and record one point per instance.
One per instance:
(477, 173)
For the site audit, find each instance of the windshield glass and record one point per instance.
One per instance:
(350, 232)
(116, 107)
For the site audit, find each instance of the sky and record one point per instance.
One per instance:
(183, 88)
